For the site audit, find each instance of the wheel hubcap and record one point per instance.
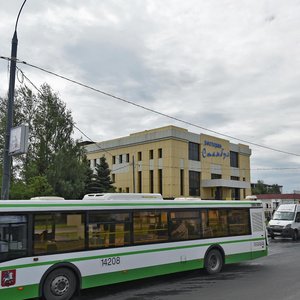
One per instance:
(213, 262)
(60, 285)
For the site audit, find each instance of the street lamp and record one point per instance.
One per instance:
(10, 108)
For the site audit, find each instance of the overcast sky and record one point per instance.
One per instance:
(226, 65)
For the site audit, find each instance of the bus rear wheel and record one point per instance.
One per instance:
(60, 284)
(213, 262)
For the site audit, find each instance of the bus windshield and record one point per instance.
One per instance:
(284, 215)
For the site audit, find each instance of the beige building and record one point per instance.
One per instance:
(176, 163)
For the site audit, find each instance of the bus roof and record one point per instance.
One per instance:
(121, 196)
(80, 205)
(47, 198)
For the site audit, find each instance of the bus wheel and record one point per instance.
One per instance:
(213, 262)
(295, 235)
(59, 284)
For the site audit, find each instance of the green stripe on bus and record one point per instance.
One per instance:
(28, 292)
(77, 259)
(31, 291)
(132, 274)
(234, 258)
(124, 204)
(127, 275)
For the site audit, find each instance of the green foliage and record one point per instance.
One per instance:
(19, 190)
(100, 182)
(39, 186)
(67, 174)
(262, 188)
(55, 164)
(274, 189)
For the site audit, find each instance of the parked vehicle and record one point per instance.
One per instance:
(285, 222)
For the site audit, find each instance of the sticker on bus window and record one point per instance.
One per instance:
(8, 278)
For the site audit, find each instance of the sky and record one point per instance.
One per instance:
(229, 66)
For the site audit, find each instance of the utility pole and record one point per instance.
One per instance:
(10, 112)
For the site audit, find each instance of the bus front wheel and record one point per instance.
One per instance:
(60, 284)
(213, 261)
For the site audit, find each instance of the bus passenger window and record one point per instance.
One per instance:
(185, 225)
(150, 226)
(108, 230)
(239, 221)
(58, 232)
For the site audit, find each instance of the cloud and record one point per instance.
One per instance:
(230, 66)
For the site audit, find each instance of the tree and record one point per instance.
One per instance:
(52, 154)
(274, 189)
(262, 188)
(67, 173)
(103, 177)
(39, 186)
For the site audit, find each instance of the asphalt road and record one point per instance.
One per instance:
(273, 277)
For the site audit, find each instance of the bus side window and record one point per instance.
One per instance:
(297, 217)
(58, 232)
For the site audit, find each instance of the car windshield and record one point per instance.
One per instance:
(283, 215)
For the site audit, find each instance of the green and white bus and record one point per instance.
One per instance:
(53, 248)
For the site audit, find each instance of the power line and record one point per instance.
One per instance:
(26, 77)
(151, 110)
(129, 164)
(97, 145)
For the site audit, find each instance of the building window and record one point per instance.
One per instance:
(120, 159)
(194, 151)
(114, 160)
(160, 181)
(127, 157)
(151, 181)
(194, 183)
(95, 162)
(139, 181)
(181, 182)
(235, 194)
(139, 156)
(160, 153)
(216, 176)
(235, 178)
(113, 178)
(127, 190)
(234, 159)
(150, 154)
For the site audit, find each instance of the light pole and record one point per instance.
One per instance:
(10, 109)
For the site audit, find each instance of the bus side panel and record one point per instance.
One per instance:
(153, 260)
(101, 267)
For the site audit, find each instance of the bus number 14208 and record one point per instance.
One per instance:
(110, 261)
